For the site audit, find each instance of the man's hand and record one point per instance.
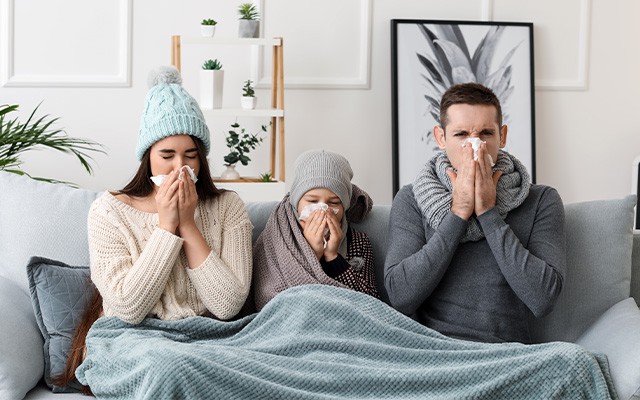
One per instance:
(463, 183)
(485, 183)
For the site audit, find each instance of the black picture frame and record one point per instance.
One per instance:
(428, 56)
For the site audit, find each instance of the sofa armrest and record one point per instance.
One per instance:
(617, 335)
(21, 354)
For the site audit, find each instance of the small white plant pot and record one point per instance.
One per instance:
(248, 103)
(230, 173)
(211, 83)
(248, 28)
(207, 30)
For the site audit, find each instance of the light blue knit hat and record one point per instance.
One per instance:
(169, 110)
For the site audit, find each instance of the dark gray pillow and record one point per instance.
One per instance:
(60, 294)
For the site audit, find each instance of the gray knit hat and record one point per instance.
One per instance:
(321, 169)
(169, 110)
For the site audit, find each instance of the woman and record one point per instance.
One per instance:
(175, 248)
(308, 238)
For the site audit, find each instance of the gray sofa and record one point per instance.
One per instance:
(595, 308)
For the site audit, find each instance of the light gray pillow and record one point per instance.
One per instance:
(21, 359)
(599, 243)
(617, 334)
(60, 295)
(41, 219)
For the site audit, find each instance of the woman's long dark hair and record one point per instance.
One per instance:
(139, 186)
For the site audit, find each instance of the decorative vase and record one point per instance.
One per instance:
(248, 102)
(207, 30)
(249, 28)
(211, 83)
(230, 173)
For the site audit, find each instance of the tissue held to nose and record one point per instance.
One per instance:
(475, 145)
(158, 179)
(310, 208)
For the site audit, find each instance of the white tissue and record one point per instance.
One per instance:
(158, 179)
(475, 145)
(310, 208)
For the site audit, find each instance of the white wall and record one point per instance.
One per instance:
(587, 132)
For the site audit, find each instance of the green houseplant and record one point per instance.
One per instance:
(208, 27)
(211, 84)
(248, 100)
(240, 144)
(249, 24)
(17, 137)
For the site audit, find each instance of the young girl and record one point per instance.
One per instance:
(308, 238)
(169, 245)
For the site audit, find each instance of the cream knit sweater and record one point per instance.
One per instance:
(141, 270)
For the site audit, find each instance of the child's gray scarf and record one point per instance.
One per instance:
(432, 190)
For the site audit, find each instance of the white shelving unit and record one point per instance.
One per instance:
(251, 188)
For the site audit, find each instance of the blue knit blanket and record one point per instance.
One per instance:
(324, 342)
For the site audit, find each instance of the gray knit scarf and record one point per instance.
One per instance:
(432, 190)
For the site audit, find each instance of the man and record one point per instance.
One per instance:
(475, 249)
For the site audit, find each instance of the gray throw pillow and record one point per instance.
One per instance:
(60, 294)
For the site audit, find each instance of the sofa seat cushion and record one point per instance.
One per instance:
(617, 334)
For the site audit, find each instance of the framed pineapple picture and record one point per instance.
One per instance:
(429, 56)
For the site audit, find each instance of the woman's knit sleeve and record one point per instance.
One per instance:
(223, 280)
(130, 289)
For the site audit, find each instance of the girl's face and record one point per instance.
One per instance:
(171, 153)
(321, 195)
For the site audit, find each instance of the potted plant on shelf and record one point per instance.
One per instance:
(240, 144)
(211, 82)
(248, 100)
(249, 24)
(266, 177)
(208, 27)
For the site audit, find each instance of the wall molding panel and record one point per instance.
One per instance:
(361, 80)
(581, 81)
(10, 76)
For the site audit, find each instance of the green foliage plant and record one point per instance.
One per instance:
(212, 64)
(248, 11)
(266, 177)
(18, 137)
(247, 89)
(208, 22)
(241, 143)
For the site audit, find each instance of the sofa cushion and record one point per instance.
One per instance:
(599, 243)
(21, 360)
(41, 219)
(60, 294)
(617, 334)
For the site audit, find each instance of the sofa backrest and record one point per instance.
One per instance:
(41, 219)
(47, 220)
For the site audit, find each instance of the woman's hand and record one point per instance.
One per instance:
(313, 231)
(335, 237)
(187, 201)
(167, 203)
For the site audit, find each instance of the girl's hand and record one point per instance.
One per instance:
(335, 237)
(187, 201)
(313, 231)
(167, 203)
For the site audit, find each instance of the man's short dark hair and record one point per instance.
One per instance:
(469, 93)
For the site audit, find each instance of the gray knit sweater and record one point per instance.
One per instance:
(484, 290)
